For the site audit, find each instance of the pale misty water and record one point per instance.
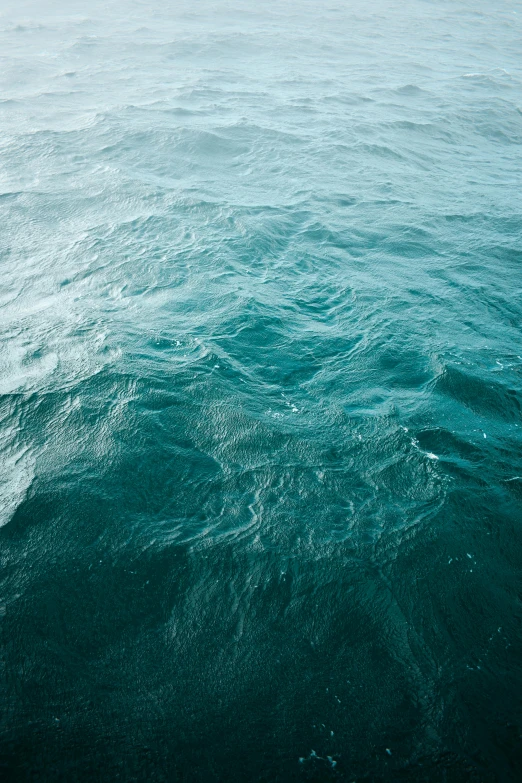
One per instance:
(261, 389)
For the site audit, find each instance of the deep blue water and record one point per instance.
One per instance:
(261, 391)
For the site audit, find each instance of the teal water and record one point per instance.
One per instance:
(261, 391)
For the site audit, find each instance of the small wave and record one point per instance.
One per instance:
(18, 474)
(487, 397)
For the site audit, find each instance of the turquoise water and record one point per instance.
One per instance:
(261, 391)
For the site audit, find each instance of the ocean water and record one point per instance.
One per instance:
(261, 390)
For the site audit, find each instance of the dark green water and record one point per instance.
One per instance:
(261, 391)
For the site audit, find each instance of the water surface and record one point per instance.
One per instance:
(260, 390)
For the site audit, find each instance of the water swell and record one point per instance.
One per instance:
(260, 392)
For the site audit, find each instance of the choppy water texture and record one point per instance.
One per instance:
(261, 389)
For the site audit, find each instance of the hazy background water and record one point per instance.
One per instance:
(261, 387)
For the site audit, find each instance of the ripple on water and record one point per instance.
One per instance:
(260, 391)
